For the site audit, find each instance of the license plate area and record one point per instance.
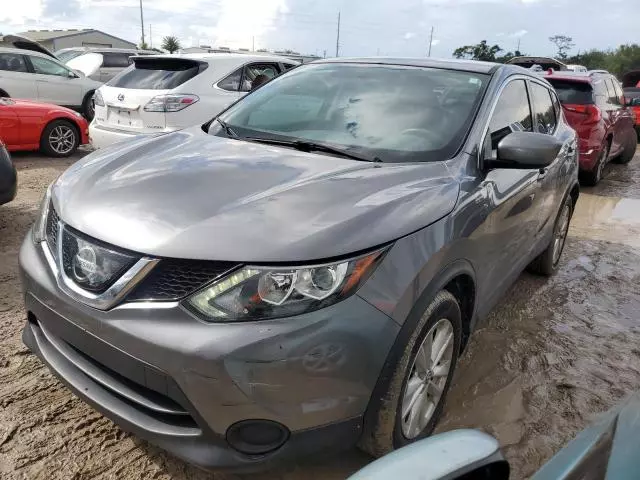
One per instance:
(123, 118)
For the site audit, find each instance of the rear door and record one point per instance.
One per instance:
(56, 83)
(15, 78)
(128, 94)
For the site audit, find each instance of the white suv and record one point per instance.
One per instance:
(36, 76)
(164, 93)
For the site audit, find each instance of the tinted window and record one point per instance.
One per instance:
(156, 74)
(394, 113)
(512, 113)
(573, 93)
(48, 67)
(12, 62)
(543, 106)
(613, 97)
(231, 82)
(115, 60)
(265, 71)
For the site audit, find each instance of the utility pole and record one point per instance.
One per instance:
(324, 54)
(337, 37)
(430, 42)
(518, 49)
(141, 22)
(150, 37)
(253, 44)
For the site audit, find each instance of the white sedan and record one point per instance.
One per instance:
(164, 93)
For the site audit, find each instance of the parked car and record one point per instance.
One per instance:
(594, 106)
(8, 176)
(301, 273)
(577, 68)
(631, 89)
(606, 449)
(545, 63)
(56, 131)
(100, 64)
(165, 93)
(31, 75)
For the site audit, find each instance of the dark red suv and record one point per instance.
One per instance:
(594, 105)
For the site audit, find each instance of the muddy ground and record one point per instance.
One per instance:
(550, 357)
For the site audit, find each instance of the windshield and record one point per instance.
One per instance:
(65, 56)
(395, 113)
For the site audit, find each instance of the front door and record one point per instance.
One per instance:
(56, 83)
(508, 234)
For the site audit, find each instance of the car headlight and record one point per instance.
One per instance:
(259, 293)
(39, 230)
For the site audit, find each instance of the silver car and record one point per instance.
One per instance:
(302, 272)
(31, 75)
(100, 64)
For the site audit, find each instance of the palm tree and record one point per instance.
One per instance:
(171, 44)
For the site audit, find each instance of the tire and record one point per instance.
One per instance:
(547, 262)
(387, 431)
(88, 109)
(592, 178)
(60, 138)
(629, 150)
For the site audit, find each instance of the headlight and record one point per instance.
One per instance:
(258, 293)
(40, 226)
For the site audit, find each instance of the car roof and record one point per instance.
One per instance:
(451, 64)
(238, 58)
(22, 51)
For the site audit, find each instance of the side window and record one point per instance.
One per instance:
(115, 60)
(289, 66)
(617, 91)
(232, 81)
(512, 114)
(257, 74)
(47, 67)
(601, 92)
(545, 119)
(12, 62)
(556, 106)
(611, 93)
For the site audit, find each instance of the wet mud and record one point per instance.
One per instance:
(550, 357)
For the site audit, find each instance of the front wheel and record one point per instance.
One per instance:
(414, 399)
(547, 262)
(593, 177)
(59, 139)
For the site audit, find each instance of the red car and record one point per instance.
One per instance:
(631, 88)
(26, 125)
(594, 105)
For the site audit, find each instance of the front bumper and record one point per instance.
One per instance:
(180, 383)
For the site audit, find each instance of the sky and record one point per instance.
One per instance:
(368, 27)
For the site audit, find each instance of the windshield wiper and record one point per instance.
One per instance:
(227, 129)
(307, 146)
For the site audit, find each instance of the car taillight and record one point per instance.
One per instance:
(170, 103)
(636, 111)
(591, 112)
(97, 99)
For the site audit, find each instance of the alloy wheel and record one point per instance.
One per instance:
(560, 233)
(427, 378)
(62, 139)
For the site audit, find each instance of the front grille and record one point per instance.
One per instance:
(173, 279)
(51, 229)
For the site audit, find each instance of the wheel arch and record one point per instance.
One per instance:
(459, 279)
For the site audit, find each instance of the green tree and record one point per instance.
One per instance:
(481, 51)
(171, 44)
(618, 61)
(144, 46)
(563, 43)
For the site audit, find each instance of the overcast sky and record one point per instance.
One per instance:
(368, 27)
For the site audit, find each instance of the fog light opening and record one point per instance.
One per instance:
(257, 437)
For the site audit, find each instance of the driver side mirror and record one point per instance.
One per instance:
(75, 74)
(459, 454)
(526, 150)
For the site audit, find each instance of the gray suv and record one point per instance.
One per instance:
(301, 273)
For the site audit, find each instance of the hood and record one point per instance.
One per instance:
(17, 41)
(39, 108)
(192, 195)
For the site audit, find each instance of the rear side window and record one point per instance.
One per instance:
(613, 96)
(232, 81)
(157, 73)
(512, 113)
(601, 92)
(573, 93)
(12, 62)
(545, 118)
(115, 60)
